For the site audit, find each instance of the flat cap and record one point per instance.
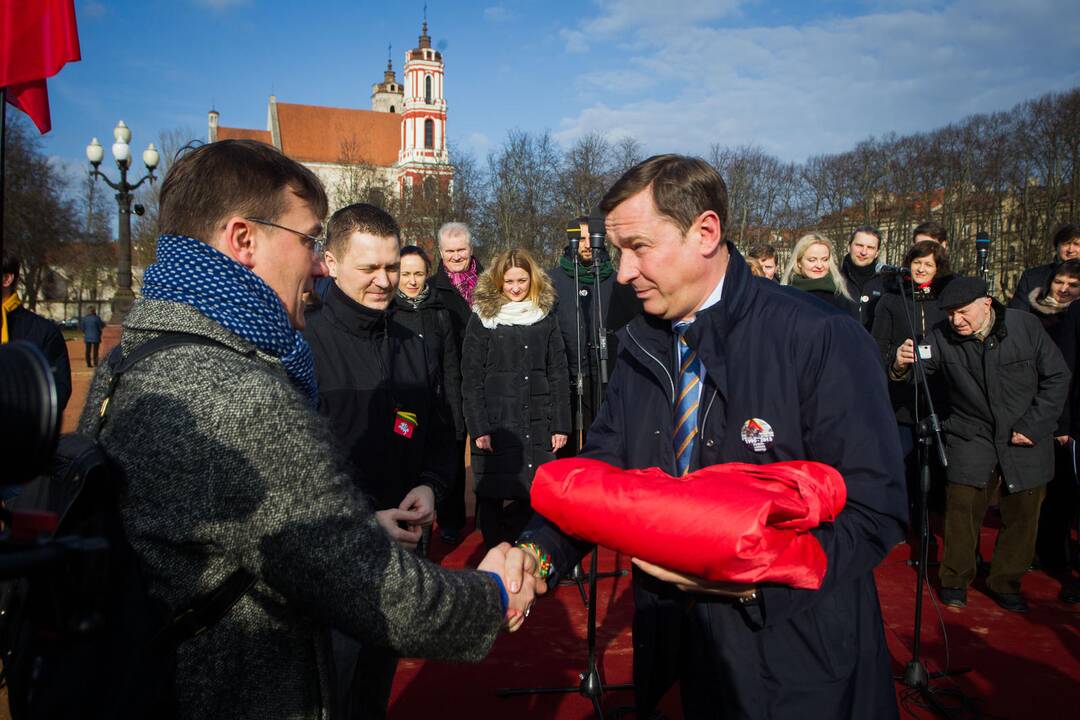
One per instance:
(961, 291)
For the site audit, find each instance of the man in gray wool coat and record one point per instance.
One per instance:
(227, 465)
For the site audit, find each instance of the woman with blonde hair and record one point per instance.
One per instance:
(515, 389)
(812, 268)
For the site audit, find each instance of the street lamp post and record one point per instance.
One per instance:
(121, 151)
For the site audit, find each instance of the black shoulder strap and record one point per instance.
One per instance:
(120, 363)
(208, 609)
(204, 611)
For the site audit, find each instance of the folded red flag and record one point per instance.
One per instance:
(735, 522)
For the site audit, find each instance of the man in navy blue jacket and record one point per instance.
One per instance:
(782, 377)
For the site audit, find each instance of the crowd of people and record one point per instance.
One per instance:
(319, 432)
(1000, 378)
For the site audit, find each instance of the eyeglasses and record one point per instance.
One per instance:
(316, 244)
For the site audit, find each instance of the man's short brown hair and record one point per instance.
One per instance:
(211, 183)
(362, 218)
(682, 188)
(931, 229)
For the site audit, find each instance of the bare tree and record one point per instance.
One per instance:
(38, 216)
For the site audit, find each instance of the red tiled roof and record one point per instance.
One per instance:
(322, 134)
(228, 133)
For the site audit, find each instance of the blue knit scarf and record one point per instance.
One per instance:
(191, 272)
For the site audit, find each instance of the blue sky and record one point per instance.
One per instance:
(796, 78)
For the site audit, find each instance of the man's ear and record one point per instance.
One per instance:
(331, 263)
(238, 240)
(710, 234)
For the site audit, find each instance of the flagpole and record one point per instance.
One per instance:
(3, 147)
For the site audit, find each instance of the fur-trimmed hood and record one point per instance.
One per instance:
(1043, 303)
(488, 297)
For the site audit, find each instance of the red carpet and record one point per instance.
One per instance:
(1023, 666)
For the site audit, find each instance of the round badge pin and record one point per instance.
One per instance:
(757, 434)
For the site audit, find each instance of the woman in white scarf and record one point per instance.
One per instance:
(515, 390)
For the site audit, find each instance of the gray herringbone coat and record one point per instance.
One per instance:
(227, 466)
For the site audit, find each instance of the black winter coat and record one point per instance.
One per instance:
(566, 311)
(433, 322)
(1015, 380)
(45, 335)
(516, 389)
(890, 331)
(369, 366)
(1032, 279)
(619, 303)
(797, 653)
(1059, 327)
(1070, 348)
(451, 299)
(865, 291)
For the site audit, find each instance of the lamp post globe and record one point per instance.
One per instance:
(95, 153)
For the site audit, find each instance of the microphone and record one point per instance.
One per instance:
(982, 252)
(894, 269)
(573, 238)
(596, 230)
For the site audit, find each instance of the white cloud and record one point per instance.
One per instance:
(574, 40)
(477, 144)
(496, 13)
(219, 5)
(619, 15)
(93, 9)
(821, 86)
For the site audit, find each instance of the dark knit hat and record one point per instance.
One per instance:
(961, 291)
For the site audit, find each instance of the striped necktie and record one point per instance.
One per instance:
(686, 402)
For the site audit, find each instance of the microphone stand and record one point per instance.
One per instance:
(591, 685)
(929, 436)
(576, 574)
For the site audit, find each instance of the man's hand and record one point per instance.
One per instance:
(558, 440)
(421, 499)
(905, 354)
(1020, 439)
(484, 442)
(694, 584)
(1062, 439)
(390, 519)
(522, 592)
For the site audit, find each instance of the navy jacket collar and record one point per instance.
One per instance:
(650, 339)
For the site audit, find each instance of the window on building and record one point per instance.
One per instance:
(427, 89)
(429, 134)
(430, 188)
(392, 109)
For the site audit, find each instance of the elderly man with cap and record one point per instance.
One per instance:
(1008, 384)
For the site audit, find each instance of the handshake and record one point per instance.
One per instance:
(519, 570)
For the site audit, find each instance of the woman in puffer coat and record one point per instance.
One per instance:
(515, 390)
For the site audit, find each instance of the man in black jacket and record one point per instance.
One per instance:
(1007, 387)
(860, 270)
(21, 324)
(769, 651)
(376, 389)
(453, 283)
(578, 305)
(1066, 247)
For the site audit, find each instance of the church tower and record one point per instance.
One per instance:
(423, 121)
(388, 95)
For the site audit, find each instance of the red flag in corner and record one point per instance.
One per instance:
(37, 38)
